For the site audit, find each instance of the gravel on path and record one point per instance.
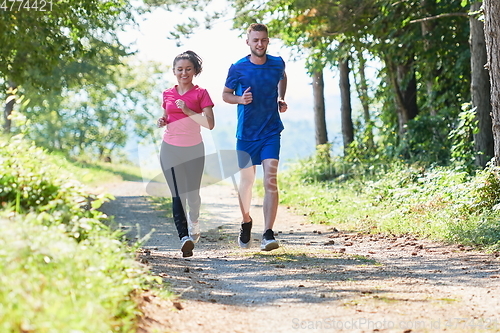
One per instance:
(320, 280)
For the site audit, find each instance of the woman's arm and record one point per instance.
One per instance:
(205, 119)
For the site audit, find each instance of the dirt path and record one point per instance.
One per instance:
(320, 280)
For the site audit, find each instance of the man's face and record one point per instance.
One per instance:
(258, 41)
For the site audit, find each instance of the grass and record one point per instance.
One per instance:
(439, 203)
(51, 283)
(63, 269)
(94, 173)
(162, 203)
(282, 256)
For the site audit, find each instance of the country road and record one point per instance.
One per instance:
(320, 280)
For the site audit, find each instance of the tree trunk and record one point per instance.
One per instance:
(362, 89)
(480, 90)
(319, 107)
(345, 104)
(9, 106)
(427, 26)
(492, 38)
(404, 83)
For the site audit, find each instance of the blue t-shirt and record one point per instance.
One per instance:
(261, 118)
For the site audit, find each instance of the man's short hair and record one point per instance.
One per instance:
(257, 27)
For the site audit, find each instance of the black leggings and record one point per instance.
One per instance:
(183, 169)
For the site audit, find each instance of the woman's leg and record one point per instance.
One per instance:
(172, 172)
(194, 172)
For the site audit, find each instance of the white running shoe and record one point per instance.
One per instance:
(268, 241)
(194, 229)
(187, 246)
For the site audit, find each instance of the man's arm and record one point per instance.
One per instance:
(281, 94)
(282, 88)
(228, 96)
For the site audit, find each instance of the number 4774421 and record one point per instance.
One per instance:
(22, 5)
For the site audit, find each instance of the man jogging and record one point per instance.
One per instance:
(257, 83)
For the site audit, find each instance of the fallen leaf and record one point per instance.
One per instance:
(177, 305)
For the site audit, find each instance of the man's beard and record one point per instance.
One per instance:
(254, 52)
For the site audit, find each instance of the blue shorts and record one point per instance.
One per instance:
(254, 152)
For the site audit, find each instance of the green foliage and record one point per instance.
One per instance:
(63, 44)
(28, 184)
(63, 269)
(485, 191)
(96, 119)
(50, 283)
(440, 202)
(319, 167)
(426, 140)
(462, 151)
(444, 139)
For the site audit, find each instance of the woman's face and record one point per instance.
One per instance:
(184, 71)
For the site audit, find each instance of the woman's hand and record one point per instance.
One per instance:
(161, 122)
(182, 105)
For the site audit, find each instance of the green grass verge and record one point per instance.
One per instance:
(95, 173)
(440, 203)
(52, 283)
(63, 268)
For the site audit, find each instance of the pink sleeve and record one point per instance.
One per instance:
(205, 99)
(163, 100)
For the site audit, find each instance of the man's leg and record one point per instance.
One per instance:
(247, 179)
(271, 196)
(270, 166)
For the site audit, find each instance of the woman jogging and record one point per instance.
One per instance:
(182, 156)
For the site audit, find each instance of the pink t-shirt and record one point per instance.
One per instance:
(181, 130)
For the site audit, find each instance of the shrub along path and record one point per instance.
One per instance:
(320, 280)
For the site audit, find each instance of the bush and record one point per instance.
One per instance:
(63, 269)
(29, 183)
(52, 283)
(444, 203)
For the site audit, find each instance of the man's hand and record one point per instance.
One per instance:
(282, 106)
(247, 97)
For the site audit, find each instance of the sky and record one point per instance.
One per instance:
(221, 46)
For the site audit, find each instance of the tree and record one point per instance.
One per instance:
(492, 34)
(319, 107)
(36, 47)
(480, 89)
(99, 116)
(346, 109)
(364, 97)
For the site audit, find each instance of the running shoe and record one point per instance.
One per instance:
(245, 235)
(187, 246)
(268, 241)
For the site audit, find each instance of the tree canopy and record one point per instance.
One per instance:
(65, 43)
(422, 46)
